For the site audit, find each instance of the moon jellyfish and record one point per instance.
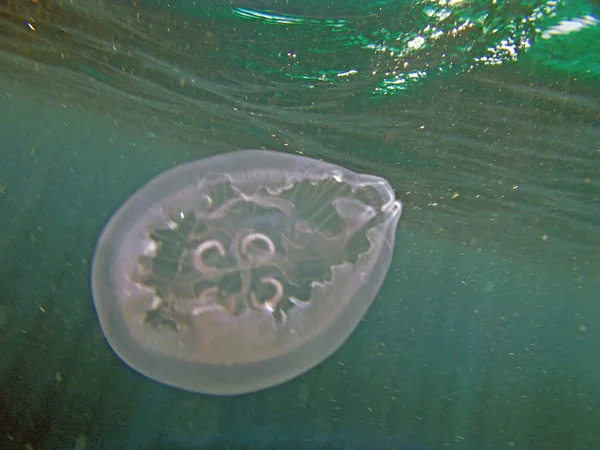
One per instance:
(238, 272)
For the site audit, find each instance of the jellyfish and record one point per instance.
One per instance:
(240, 271)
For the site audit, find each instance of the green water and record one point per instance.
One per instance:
(484, 117)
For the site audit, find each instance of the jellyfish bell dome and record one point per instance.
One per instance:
(243, 270)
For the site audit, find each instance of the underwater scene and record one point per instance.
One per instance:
(300, 224)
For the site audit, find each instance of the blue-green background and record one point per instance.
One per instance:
(484, 117)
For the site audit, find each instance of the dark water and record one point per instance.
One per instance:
(484, 117)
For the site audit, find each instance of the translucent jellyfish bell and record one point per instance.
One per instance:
(238, 272)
